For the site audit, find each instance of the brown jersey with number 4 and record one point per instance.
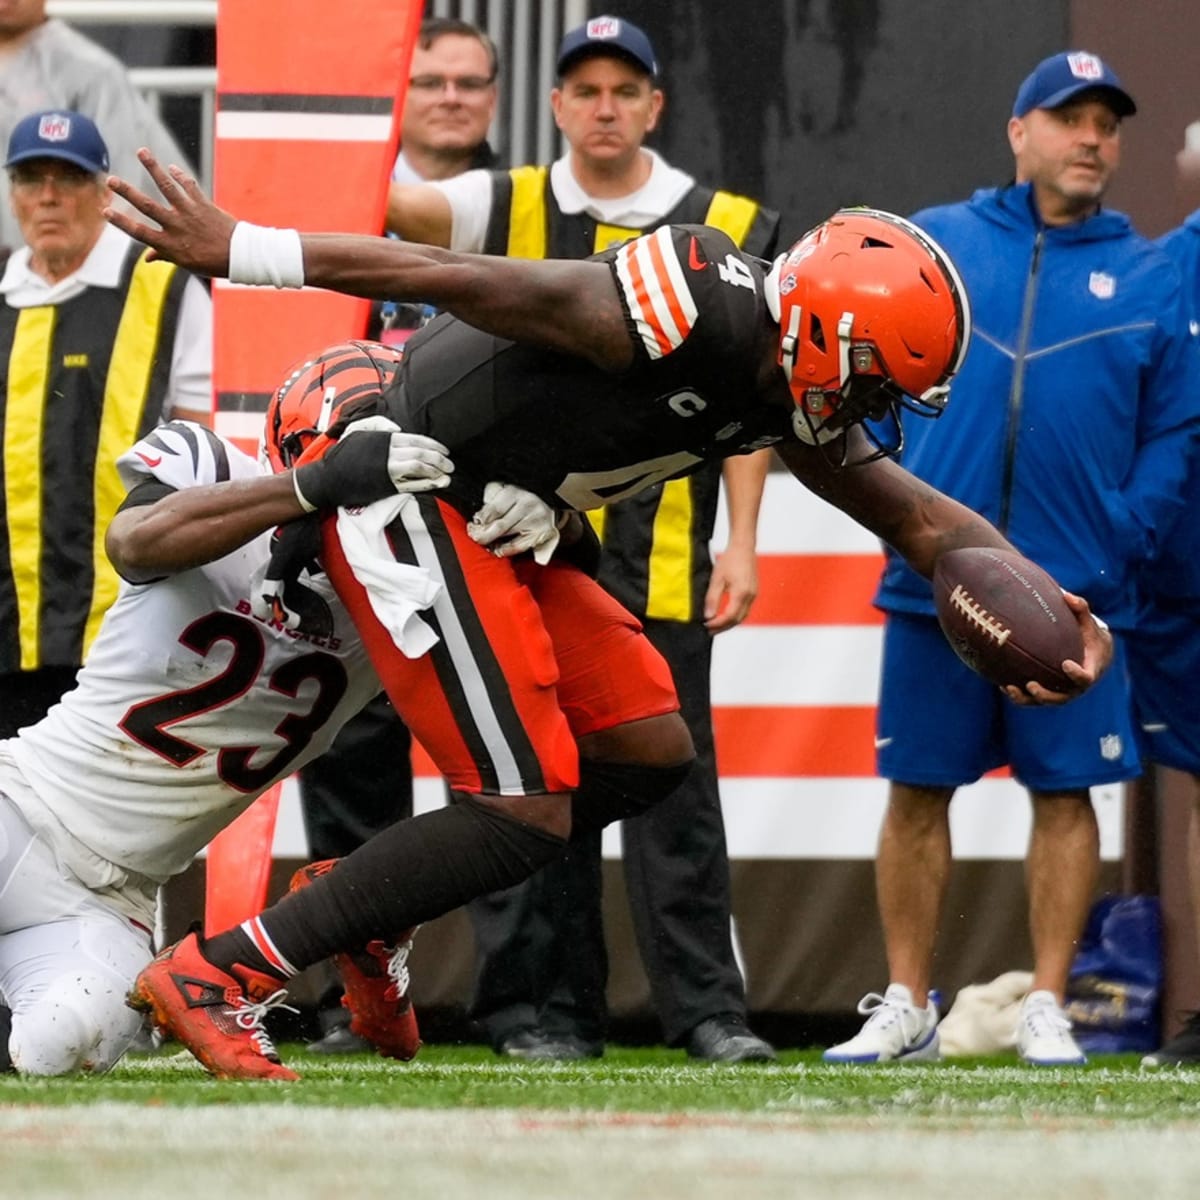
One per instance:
(581, 437)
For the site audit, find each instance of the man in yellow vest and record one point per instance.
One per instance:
(97, 346)
(542, 963)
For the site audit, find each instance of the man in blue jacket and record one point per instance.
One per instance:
(1164, 649)
(1074, 419)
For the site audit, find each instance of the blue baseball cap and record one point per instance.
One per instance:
(607, 35)
(58, 134)
(1061, 77)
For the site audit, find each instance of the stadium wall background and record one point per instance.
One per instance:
(811, 104)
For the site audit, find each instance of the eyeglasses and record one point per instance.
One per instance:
(31, 180)
(471, 84)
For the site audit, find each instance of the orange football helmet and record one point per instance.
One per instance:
(315, 391)
(873, 317)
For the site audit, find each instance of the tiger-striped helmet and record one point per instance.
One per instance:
(315, 391)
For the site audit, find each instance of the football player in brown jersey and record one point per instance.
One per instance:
(581, 382)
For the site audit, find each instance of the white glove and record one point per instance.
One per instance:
(418, 464)
(415, 463)
(512, 521)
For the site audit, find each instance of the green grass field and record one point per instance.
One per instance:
(458, 1122)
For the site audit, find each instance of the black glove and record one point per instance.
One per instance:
(368, 465)
(352, 473)
(283, 598)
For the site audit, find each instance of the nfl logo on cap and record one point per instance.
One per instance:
(603, 27)
(1085, 66)
(54, 127)
(607, 36)
(1068, 75)
(58, 133)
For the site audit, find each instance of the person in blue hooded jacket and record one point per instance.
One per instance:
(1074, 418)
(1164, 650)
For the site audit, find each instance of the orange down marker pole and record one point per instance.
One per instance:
(308, 123)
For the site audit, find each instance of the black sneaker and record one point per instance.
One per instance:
(1183, 1050)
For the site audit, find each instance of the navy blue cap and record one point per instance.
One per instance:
(58, 134)
(1062, 77)
(607, 35)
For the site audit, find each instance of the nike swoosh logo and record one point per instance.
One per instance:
(694, 259)
(150, 462)
(880, 743)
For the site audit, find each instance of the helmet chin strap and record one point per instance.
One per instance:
(845, 330)
(806, 431)
(936, 397)
(789, 343)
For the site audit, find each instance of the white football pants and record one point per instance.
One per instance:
(67, 961)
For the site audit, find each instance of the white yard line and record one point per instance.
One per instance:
(274, 1150)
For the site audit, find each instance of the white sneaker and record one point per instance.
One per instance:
(1044, 1033)
(895, 1029)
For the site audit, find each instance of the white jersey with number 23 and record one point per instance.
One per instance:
(188, 706)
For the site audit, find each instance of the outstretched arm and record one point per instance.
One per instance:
(913, 517)
(565, 305)
(922, 523)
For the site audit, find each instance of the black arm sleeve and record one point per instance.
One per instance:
(149, 491)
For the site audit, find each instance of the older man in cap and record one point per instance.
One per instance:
(1075, 417)
(542, 960)
(97, 345)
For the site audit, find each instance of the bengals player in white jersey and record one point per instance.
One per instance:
(582, 382)
(189, 706)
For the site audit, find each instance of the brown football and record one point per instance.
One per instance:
(1005, 617)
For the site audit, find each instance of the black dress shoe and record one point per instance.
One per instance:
(340, 1040)
(727, 1040)
(536, 1045)
(1183, 1050)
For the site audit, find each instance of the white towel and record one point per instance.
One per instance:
(398, 592)
(983, 1019)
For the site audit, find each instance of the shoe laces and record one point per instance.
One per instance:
(882, 1012)
(1047, 1020)
(397, 966)
(249, 1015)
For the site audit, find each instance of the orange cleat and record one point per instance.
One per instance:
(375, 982)
(217, 1015)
